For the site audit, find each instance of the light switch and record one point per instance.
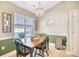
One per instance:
(3, 47)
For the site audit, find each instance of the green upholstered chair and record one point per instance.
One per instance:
(21, 50)
(43, 47)
(35, 35)
(46, 38)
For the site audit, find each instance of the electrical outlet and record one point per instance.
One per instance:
(3, 47)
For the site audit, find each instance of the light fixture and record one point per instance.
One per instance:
(39, 11)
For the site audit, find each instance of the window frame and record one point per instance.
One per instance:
(31, 26)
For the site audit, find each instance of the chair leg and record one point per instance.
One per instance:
(24, 55)
(39, 51)
(47, 52)
(18, 54)
(35, 53)
(48, 47)
(42, 53)
(21, 55)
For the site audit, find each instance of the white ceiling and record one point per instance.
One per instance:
(32, 5)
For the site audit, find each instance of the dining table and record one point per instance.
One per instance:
(33, 43)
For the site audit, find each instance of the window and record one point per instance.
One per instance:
(23, 24)
(19, 19)
(17, 31)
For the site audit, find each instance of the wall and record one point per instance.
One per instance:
(11, 8)
(6, 46)
(57, 13)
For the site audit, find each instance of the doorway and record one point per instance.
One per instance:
(74, 32)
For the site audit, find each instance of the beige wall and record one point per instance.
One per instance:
(11, 8)
(57, 13)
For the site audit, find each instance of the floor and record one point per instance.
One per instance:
(53, 52)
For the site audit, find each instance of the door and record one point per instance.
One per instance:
(75, 33)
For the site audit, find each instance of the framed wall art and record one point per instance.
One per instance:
(6, 22)
(50, 21)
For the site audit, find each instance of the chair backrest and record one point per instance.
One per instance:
(46, 40)
(34, 35)
(43, 34)
(46, 36)
(43, 45)
(19, 45)
(21, 35)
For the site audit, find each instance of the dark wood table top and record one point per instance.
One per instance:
(35, 42)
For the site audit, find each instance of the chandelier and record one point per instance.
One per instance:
(39, 11)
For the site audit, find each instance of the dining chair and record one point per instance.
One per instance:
(46, 38)
(43, 47)
(34, 35)
(21, 50)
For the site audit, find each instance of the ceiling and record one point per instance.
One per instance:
(32, 5)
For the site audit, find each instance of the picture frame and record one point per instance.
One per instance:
(50, 22)
(6, 22)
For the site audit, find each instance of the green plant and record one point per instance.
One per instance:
(64, 40)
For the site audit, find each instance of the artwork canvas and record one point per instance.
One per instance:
(6, 22)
